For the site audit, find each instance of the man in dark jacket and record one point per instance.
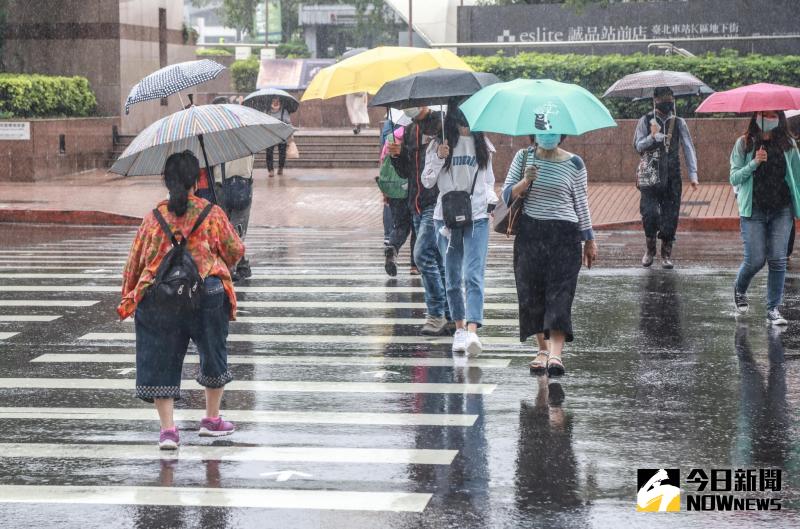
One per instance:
(408, 159)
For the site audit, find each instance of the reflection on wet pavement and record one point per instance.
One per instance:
(661, 375)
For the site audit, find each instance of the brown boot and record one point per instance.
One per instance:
(650, 254)
(666, 255)
(280, 171)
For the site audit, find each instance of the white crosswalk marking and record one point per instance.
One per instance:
(379, 305)
(208, 497)
(28, 317)
(46, 303)
(319, 338)
(275, 386)
(6, 335)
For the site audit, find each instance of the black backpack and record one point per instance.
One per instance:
(178, 286)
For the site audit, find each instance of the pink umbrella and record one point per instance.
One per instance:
(753, 98)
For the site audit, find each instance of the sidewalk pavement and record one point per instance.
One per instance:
(313, 198)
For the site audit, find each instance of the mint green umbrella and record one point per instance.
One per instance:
(535, 106)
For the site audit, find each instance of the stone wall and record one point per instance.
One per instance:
(87, 145)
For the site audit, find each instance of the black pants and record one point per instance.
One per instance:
(401, 222)
(281, 157)
(660, 209)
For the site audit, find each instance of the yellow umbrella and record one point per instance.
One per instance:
(368, 71)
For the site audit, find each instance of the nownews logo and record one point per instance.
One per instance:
(659, 489)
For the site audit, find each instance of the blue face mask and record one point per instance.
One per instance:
(767, 124)
(548, 142)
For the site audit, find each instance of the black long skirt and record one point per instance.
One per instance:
(547, 260)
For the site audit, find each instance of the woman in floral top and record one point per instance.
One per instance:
(162, 337)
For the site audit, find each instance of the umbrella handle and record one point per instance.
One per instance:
(209, 174)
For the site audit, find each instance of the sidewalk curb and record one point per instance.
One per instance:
(684, 224)
(46, 216)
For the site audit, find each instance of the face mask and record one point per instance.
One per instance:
(548, 142)
(666, 106)
(767, 124)
(412, 112)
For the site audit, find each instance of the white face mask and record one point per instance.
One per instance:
(412, 112)
(767, 124)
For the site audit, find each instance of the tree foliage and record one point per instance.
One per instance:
(26, 95)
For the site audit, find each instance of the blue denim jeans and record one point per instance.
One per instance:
(766, 238)
(162, 339)
(465, 264)
(430, 263)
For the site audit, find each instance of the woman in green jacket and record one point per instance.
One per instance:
(765, 169)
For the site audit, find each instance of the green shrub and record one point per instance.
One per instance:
(213, 52)
(294, 49)
(244, 74)
(598, 72)
(45, 96)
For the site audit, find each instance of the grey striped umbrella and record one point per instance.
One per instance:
(172, 79)
(214, 133)
(642, 84)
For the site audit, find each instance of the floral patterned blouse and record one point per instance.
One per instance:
(215, 247)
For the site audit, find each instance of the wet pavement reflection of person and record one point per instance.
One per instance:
(660, 313)
(462, 487)
(763, 433)
(546, 478)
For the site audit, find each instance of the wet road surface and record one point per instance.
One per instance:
(347, 418)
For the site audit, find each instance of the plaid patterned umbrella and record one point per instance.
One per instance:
(642, 84)
(172, 79)
(214, 133)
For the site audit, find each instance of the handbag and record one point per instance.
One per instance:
(649, 173)
(237, 191)
(457, 206)
(291, 150)
(506, 218)
(390, 183)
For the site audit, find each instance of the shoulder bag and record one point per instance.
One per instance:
(506, 218)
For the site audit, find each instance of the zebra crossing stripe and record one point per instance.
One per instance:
(297, 320)
(7, 335)
(255, 277)
(246, 416)
(305, 454)
(214, 497)
(354, 305)
(248, 290)
(28, 317)
(46, 303)
(318, 338)
(272, 386)
(122, 358)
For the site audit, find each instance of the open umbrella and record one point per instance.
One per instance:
(753, 98)
(214, 133)
(370, 70)
(536, 106)
(262, 99)
(640, 85)
(172, 79)
(434, 87)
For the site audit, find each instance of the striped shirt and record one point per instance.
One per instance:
(559, 193)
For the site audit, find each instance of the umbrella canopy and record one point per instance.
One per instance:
(642, 84)
(172, 79)
(538, 106)
(433, 87)
(262, 99)
(216, 133)
(753, 98)
(370, 70)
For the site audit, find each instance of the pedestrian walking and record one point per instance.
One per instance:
(357, 110)
(547, 248)
(233, 183)
(765, 168)
(278, 111)
(409, 158)
(177, 286)
(663, 132)
(461, 166)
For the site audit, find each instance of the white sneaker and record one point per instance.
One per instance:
(774, 317)
(474, 346)
(460, 341)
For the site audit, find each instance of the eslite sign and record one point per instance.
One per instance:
(15, 130)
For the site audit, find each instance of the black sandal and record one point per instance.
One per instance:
(555, 367)
(539, 367)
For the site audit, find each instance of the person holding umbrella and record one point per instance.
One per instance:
(462, 163)
(279, 112)
(765, 167)
(661, 130)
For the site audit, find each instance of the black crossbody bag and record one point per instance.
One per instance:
(457, 206)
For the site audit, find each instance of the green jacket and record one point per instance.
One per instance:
(742, 168)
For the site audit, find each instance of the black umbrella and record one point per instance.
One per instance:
(262, 99)
(434, 87)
